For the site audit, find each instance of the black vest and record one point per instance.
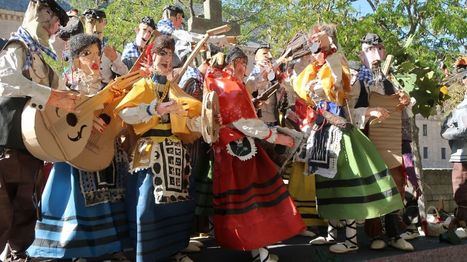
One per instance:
(11, 109)
(364, 97)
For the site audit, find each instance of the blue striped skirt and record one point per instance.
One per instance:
(69, 228)
(158, 231)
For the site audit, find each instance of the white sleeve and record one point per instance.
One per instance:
(14, 84)
(118, 66)
(359, 117)
(335, 64)
(256, 128)
(139, 114)
(194, 124)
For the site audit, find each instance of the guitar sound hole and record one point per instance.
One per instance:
(71, 119)
(106, 118)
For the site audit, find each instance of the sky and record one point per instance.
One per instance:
(362, 6)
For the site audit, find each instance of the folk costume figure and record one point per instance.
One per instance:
(111, 64)
(454, 129)
(301, 184)
(92, 202)
(172, 20)
(200, 151)
(133, 50)
(159, 205)
(352, 181)
(370, 90)
(25, 77)
(252, 207)
(260, 79)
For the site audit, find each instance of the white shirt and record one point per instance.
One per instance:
(14, 84)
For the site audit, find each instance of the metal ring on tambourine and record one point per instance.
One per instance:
(209, 112)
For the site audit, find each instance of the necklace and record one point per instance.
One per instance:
(165, 91)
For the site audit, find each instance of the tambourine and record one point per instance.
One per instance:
(209, 113)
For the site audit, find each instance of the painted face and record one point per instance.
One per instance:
(143, 34)
(48, 20)
(263, 54)
(163, 62)
(95, 26)
(89, 60)
(239, 67)
(178, 21)
(372, 55)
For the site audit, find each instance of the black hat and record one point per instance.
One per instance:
(73, 27)
(94, 14)
(175, 9)
(149, 21)
(56, 8)
(263, 46)
(235, 53)
(371, 39)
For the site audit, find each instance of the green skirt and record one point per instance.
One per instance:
(362, 187)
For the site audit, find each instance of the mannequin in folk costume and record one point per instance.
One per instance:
(260, 79)
(159, 205)
(352, 180)
(301, 184)
(111, 64)
(172, 19)
(192, 82)
(133, 50)
(252, 207)
(372, 79)
(85, 199)
(26, 77)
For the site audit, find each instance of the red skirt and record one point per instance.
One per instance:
(252, 207)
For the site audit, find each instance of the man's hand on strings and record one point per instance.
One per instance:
(65, 100)
(99, 124)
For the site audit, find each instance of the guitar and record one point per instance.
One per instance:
(55, 135)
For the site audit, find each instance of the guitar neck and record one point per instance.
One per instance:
(120, 84)
(199, 45)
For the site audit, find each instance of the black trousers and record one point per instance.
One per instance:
(18, 174)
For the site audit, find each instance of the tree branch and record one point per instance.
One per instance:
(372, 5)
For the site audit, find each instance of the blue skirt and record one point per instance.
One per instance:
(158, 231)
(70, 228)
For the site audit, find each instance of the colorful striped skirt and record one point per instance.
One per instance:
(303, 192)
(362, 188)
(252, 207)
(70, 228)
(157, 231)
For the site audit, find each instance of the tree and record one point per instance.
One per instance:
(124, 16)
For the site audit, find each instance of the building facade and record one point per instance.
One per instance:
(434, 150)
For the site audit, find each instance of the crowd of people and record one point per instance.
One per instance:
(337, 131)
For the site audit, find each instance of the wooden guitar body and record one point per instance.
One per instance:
(99, 150)
(53, 134)
(58, 136)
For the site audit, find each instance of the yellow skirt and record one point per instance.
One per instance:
(303, 191)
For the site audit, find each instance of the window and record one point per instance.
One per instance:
(443, 153)
(425, 152)
(425, 130)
